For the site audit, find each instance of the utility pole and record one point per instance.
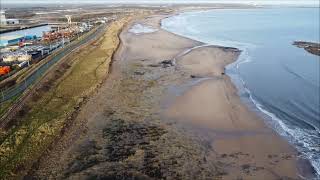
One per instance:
(25, 84)
(2, 96)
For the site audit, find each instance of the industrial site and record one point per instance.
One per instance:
(23, 48)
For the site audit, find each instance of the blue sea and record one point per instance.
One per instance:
(275, 78)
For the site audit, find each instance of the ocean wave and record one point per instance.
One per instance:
(299, 76)
(290, 117)
(303, 139)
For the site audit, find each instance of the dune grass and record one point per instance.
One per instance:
(47, 115)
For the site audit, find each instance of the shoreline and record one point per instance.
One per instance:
(186, 52)
(129, 103)
(269, 119)
(305, 164)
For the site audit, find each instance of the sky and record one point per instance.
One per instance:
(258, 2)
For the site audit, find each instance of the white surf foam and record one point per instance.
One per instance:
(140, 29)
(302, 139)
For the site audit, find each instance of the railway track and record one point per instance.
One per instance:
(25, 88)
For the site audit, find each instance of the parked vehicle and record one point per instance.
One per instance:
(4, 70)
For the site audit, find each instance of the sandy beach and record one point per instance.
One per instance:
(167, 110)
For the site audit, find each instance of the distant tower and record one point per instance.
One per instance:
(3, 20)
(69, 20)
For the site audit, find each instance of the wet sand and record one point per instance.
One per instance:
(165, 114)
(238, 136)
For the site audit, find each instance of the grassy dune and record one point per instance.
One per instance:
(49, 111)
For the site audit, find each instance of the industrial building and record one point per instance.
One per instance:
(5, 21)
(10, 40)
(18, 50)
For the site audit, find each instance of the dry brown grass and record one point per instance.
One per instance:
(41, 125)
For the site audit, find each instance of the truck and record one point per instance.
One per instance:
(4, 70)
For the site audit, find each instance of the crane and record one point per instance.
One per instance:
(69, 20)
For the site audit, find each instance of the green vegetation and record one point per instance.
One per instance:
(4, 106)
(44, 117)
